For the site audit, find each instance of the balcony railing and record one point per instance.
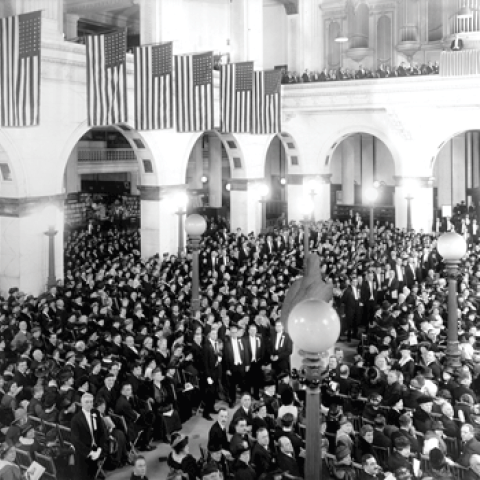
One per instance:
(106, 155)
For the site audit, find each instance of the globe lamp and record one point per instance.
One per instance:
(451, 246)
(195, 225)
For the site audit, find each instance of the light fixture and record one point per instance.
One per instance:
(50, 214)
(307, 206)
(181, 200)
(204, 179)
(371, 194)
(465, 12)
(283, 181)
(451, 246)
(312, 185)
(228, 187)
(263, 189)
(376, 184)
(340, 38)
(195, 225)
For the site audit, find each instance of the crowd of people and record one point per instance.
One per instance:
(114, 358)
(341, 73)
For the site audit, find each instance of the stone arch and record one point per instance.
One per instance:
(290, 147)
(232, 148)
(18, 185)
(336, 139)
(147, 172)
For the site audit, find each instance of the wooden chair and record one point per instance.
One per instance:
(358, 469)
(453, 449)
(65, 436)
(458, 471)
(23, 459)
(382, 454)
(49, 465)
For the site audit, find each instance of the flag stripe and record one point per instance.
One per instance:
(106, 79)
(194, 92)
(20, 48)
(266, 103)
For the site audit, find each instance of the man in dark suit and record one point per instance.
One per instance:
(379, 437)
(407, 431)
(235, 363)
(286, 458)
(470, 445)
(212, 365)
(218, 432)
(135, 420)
(412, 273)
(243, 411)
(281, 347)
(108, 393)
(255, 350)
(390, 287)
(457, 44)
(88, 436)
(368, 297)
(240, 438)
(261, 454)
(400, 458)
(351, 302)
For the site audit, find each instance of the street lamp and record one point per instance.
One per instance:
(307, 207)
(452, 247)
(180, 201)
(263, 191)
(314, 327)
(195, 226)
(409, 188)
(50, 214)
(371, 195)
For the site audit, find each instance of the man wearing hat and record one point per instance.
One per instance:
(422, 418)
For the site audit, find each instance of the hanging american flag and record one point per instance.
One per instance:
(194, 92)
(266, 102)
(236, 84)
(20, 38)
(153, 87)
(106, 79)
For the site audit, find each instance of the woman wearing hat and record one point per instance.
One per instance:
(345, 433)
(342, 468)
(180, 457)
(27, 441)
(8, 469)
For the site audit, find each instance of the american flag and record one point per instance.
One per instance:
(194, 92)
(106, 79)
(266, 102)
(20, 38)
(236, 85)
(153, 87)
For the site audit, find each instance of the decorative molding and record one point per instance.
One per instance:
(25, 206)
(397, 124)
(159, 192)
(423, 182)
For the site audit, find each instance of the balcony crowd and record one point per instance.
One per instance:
(111, 362)
(383, 71)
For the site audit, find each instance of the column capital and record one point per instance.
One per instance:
(24, 206)
(302, 178)
(159, 192)
(423, 182)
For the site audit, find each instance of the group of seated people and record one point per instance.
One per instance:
(116, 335)
(341, 73)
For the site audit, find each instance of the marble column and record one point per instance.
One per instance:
(215, 172)
(245, 207)
(476, 159)
(159, 222)
(348, 171)
(24, 245)
(70, 25)
(310, 21)
(366, 142)
(156, 23)
(293, 61)
(52, 16)
(458, 173)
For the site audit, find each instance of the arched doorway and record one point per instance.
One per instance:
(276, 177)
(358, 162)
(102, 178)
(456, 176)
(213, 161)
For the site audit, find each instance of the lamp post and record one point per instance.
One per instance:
(50, 214)
(452, 247)
(195, 226)
(263, 191)
(307, 207)
(371, 195)
(181, 200)
(314, 327)
(409, 187)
